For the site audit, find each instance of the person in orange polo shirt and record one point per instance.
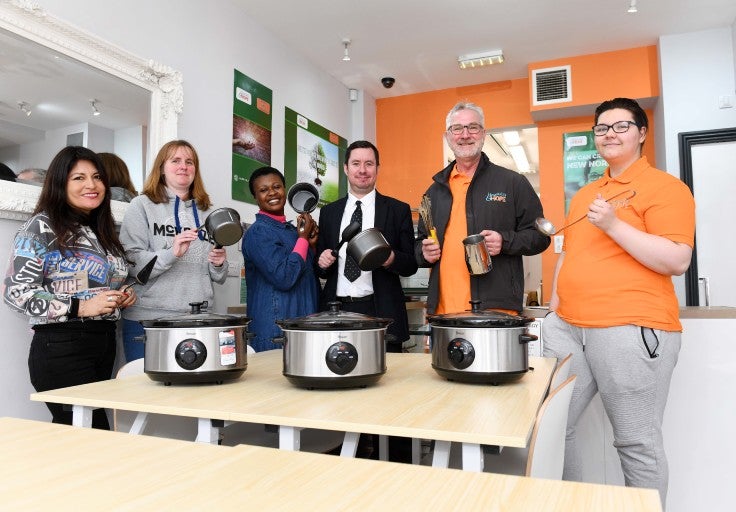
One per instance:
(613, 304)
(472, 195)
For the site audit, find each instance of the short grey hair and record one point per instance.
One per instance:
(464, 105)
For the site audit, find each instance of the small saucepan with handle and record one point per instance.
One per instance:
(224, 227)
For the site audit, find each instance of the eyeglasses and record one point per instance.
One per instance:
(618, 127)
(457, 129)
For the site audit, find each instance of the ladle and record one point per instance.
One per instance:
(546, 227)
(348, 233)
(142, 276)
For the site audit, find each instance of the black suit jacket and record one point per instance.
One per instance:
(393, 219)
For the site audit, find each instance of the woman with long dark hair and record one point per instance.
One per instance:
(66, 270)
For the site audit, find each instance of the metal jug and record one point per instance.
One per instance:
(477, 257)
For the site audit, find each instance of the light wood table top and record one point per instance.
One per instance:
(410, 400)
(57, 467)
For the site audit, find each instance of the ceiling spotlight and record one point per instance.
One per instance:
(25, 107)
(95, 110)
(346, 55)
(632, 7)
(477, 60)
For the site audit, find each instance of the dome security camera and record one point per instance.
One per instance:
(388, 81)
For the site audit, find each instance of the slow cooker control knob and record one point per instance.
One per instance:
(190, 354)
(461, 353)
(341, 358)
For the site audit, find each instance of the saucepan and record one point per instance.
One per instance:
(369, 249)
(303, 197)
(224, 227)
(348, 233)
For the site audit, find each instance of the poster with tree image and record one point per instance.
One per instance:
(314, 154)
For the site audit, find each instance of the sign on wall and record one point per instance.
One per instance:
(314, 154)
(251, 147)
(582, 164)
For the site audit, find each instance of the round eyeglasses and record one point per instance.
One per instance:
(618, 127)
(457, 129)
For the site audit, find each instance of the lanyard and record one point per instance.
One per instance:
(200, 235)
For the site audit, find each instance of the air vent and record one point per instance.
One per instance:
(551, 85)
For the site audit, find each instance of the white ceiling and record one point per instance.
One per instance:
(418, 41)
(415, 41)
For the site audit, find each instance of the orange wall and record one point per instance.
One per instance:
(409, 128)
(409, 131)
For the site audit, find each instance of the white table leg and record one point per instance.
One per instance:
(382, 447)
(472, 457)
(416, 450)
(350, 444)
(290, 438)
(206, 433)
(441, 457)
(82, 416)
(140, 422)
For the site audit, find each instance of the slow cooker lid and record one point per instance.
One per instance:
(334, 320)
(477, 317)
(198, 318)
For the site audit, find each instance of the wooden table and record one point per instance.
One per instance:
(410, 400)
(58, 467)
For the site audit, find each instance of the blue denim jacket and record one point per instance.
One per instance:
(280, 284)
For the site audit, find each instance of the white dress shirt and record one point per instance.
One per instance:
(364, 284)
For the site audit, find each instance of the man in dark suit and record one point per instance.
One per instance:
(377, 293)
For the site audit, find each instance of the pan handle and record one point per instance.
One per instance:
(526, 338)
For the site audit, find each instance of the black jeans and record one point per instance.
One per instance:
(69, 354)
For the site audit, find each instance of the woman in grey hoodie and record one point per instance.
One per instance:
(164, 221)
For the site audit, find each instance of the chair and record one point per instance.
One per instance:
(546, 453)
(174, 427)
(561, 372)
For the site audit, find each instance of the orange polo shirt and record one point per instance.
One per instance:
(600, 284)
(454, 277)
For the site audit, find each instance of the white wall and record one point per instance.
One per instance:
(695, 70)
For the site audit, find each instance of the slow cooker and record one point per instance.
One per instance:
(196, 347)
(480, 346)
(334, 349)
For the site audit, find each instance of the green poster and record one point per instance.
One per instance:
(251, 133)
(582, 163)
(314, 154)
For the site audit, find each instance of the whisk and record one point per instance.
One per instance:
(425, 212)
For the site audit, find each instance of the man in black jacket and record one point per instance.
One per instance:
(377, 293)
(474, 196)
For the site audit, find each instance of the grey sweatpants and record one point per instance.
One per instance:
(618, 363)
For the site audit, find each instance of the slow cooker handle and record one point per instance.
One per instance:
(279, 340)
(140, 339)
(526, 338)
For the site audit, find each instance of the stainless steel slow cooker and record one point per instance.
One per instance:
(480, 346)
(197, 347)
(334, 349)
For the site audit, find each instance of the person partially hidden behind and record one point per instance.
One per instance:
(472, 195)
(377, 293)
(613, 304)
(121, 186)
